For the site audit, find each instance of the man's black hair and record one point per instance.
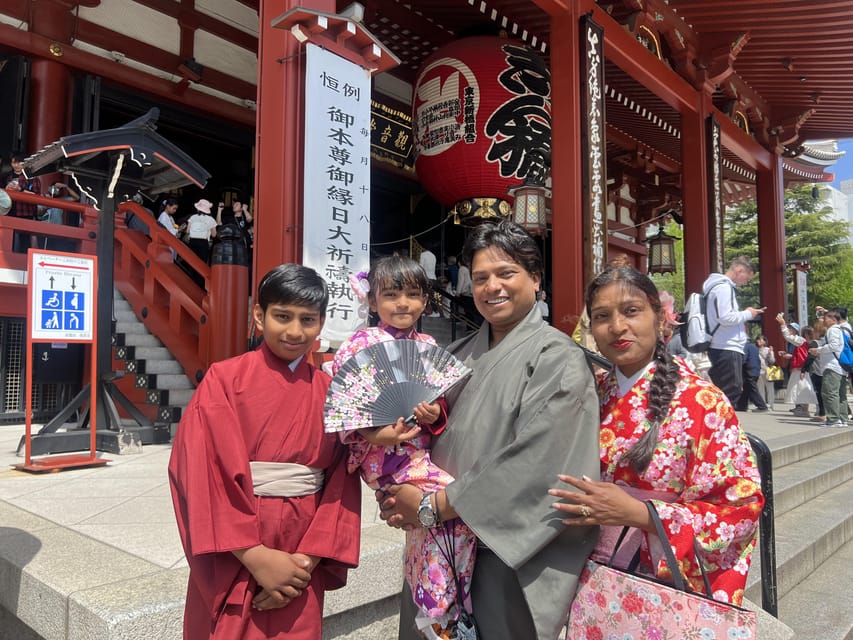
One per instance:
(510, 238)
(293, 284)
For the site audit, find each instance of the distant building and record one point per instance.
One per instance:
(841, 203)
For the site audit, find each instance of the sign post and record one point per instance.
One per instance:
(62, 293)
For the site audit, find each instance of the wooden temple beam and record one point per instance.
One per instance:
(552, 7)
(37, 45)
(623, 49)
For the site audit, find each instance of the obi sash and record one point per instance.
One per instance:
(285, 479)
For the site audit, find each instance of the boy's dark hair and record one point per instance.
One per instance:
(510, 238)
(293, 284)
(396, 272)
(842, 312)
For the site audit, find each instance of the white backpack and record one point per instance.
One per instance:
(695, 333)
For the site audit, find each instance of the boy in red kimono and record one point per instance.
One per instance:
(268, 515)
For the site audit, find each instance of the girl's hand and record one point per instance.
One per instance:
(599, 503)
(390, 435)
(427, 413)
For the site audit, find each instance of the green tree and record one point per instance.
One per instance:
(810, 235)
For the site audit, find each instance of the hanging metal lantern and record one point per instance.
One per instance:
(661, 252)
(529, 208)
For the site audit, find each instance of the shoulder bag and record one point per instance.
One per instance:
(612, 603)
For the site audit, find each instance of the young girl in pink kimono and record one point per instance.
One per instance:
(440, 559)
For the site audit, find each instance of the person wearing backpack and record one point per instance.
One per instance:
(834, 376)
(848, 330)
(726, 324)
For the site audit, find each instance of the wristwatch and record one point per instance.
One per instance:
(426, 514)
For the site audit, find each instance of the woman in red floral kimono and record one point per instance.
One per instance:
(669, 437)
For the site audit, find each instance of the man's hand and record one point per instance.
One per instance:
(398, 506)
(390, 435)
(756, 312)
(427, 413)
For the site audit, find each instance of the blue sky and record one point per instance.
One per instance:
(843, 169)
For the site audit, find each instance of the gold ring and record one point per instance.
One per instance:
(585, 512)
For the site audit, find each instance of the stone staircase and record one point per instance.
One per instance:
(813, 499)
(157, 376)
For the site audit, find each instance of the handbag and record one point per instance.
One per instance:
(774, 372)
(612, 603)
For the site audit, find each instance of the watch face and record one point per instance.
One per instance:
(427, 516)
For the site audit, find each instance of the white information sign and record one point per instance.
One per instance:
(336, 217)
(61, 289)
(802, 297)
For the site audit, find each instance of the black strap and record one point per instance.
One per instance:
(669, 556)
(716, 306)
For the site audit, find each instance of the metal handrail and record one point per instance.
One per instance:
(767, 528)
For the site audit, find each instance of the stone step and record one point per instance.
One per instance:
(125, 315)
(142, 340)
(799, 446)
(799, 482)
(168, 381)
(821, 606)
(162, 366)
(150, 354)
(128, 327)
(805, 538)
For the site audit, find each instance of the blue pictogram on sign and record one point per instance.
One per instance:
(51, 299)
(62, 310)
(74, 301)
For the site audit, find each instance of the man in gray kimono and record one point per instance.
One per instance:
(528, 412)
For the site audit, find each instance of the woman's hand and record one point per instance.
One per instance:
(601, 503)
(390, 435)
(398, 506)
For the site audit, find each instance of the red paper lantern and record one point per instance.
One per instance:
(482, 106)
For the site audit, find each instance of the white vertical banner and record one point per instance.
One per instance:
(802, 291)
(336, 216)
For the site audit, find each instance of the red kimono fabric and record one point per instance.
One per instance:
(254, 408)
(704, 461)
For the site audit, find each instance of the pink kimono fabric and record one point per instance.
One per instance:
(430, 564)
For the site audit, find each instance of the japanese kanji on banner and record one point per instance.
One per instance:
(336, 232)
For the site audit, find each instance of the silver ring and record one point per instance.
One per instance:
(585, 512)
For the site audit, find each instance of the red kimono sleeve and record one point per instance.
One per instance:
(335, 530)
(209, 474)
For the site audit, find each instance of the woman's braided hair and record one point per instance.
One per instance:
(667, 374)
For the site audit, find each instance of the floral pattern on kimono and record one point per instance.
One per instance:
(428, 569)
(704, 459)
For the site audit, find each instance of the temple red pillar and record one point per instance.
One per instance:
(279, 138)
(50, 100)
(49, 104)
(770, 190)
(566, 223)
(696, 195)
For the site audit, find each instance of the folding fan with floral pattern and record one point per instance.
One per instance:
(385, 381)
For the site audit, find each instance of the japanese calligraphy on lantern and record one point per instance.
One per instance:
(482, 112)
(336, 221)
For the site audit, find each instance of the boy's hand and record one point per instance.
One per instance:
(427, 413)
(391, 434)
(267, 600)
(281, 575)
